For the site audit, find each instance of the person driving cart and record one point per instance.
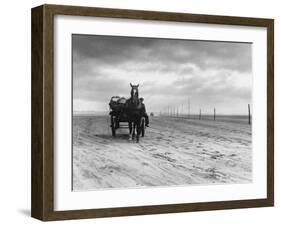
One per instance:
(144, 112)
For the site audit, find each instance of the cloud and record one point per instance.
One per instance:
(211, 72)
(112, 50)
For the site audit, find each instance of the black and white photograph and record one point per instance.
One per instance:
(157, 112)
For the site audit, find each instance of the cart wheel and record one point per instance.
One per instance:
(113, 126)
(142, 127)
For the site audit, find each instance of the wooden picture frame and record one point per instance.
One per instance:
(42, 203)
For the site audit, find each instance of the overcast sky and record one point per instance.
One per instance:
(211, 74)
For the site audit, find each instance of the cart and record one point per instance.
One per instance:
(119, 117)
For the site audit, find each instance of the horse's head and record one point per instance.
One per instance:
(134, 93)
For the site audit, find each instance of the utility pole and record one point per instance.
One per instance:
(200, 114)
(249, 114)
(188, 107)
(214, 114)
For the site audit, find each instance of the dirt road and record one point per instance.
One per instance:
(173, 152)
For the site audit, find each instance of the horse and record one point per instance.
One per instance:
(134, 113)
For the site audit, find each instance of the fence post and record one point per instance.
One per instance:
(249, 114)
(214, 114)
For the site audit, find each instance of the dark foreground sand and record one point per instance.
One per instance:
(173, 152)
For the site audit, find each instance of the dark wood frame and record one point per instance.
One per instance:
(42, 202)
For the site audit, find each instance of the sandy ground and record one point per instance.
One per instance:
(173, 152)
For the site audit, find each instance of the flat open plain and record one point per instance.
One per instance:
(174, 151)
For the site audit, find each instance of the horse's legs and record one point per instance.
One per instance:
(134, 130)
(138, 129)
(130, 130)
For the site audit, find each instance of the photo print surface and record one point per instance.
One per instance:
(150, 112)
